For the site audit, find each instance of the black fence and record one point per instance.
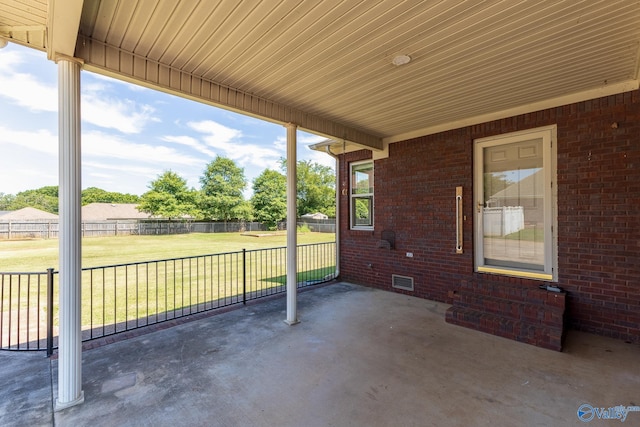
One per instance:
(119, 298)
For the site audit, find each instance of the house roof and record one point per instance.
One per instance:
(328, 66)
(107, 211)
(316, 215)
(27, 214)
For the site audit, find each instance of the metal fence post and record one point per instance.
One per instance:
(49, 312)
(244, 276)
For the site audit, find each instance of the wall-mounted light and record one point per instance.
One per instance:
(400, 60)
(3, 43)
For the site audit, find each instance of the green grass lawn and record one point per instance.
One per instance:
(527, 234)
(149, 291)
(38, 255)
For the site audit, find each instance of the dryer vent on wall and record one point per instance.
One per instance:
(402, 282)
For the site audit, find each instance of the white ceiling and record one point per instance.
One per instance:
(326, 65)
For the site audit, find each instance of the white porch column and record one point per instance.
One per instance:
(292, 240)
(70, 337)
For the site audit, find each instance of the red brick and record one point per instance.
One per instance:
(598, 196)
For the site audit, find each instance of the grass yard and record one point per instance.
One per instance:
(527, 234)
(150, 291)
(38, 255)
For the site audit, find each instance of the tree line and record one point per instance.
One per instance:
(220, 196)
(46, 198)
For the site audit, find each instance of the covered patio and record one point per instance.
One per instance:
(359, 357)
(417, 91)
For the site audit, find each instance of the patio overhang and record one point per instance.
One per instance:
(110, 61)
(330, 67)
(63, 20)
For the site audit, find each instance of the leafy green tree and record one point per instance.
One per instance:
(316, 188)
(270, 198)
(44, 198)
(244, 211)
(98, 195)
(169, 197)
(5, 201)
(222, 185)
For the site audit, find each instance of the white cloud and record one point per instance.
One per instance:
(125, 177)
(229, 143)
(130, 176)
(308, 139)
(125, 116)
(97, 144)
(132, 165)
(98, 175)
(303, 150)
(29, 159)
(99, 107)
(132, 168)
(254, 158)
(281, 143)
(321, 158)
(10, 59)
(188, 141)
(217, 135)
(104, 145)
(24, 89)
(41, 140)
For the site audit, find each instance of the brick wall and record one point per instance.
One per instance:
(598, 213)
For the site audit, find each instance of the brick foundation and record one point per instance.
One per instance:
(526, 314)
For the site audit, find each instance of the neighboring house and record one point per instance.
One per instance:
(112, 211)
(520, 193)
(27, 214)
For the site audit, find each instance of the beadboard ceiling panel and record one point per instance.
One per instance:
(24, 22)
(328, 64)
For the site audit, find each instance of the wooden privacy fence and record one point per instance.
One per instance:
(49, 229)
(20, 229)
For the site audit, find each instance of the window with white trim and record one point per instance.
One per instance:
(516, 203)
(361, 195)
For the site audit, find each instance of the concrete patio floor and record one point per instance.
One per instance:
(359, 357)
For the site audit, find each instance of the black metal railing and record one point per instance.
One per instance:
(26, 309)
(122, 297)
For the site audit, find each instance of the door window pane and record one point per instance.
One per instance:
(515, 211)
(513, 205)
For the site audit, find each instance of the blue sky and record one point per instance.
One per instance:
(130, 134)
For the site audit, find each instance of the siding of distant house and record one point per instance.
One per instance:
(111, 211)
(598, 186)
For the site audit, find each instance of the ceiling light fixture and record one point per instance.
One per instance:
(400, 60)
